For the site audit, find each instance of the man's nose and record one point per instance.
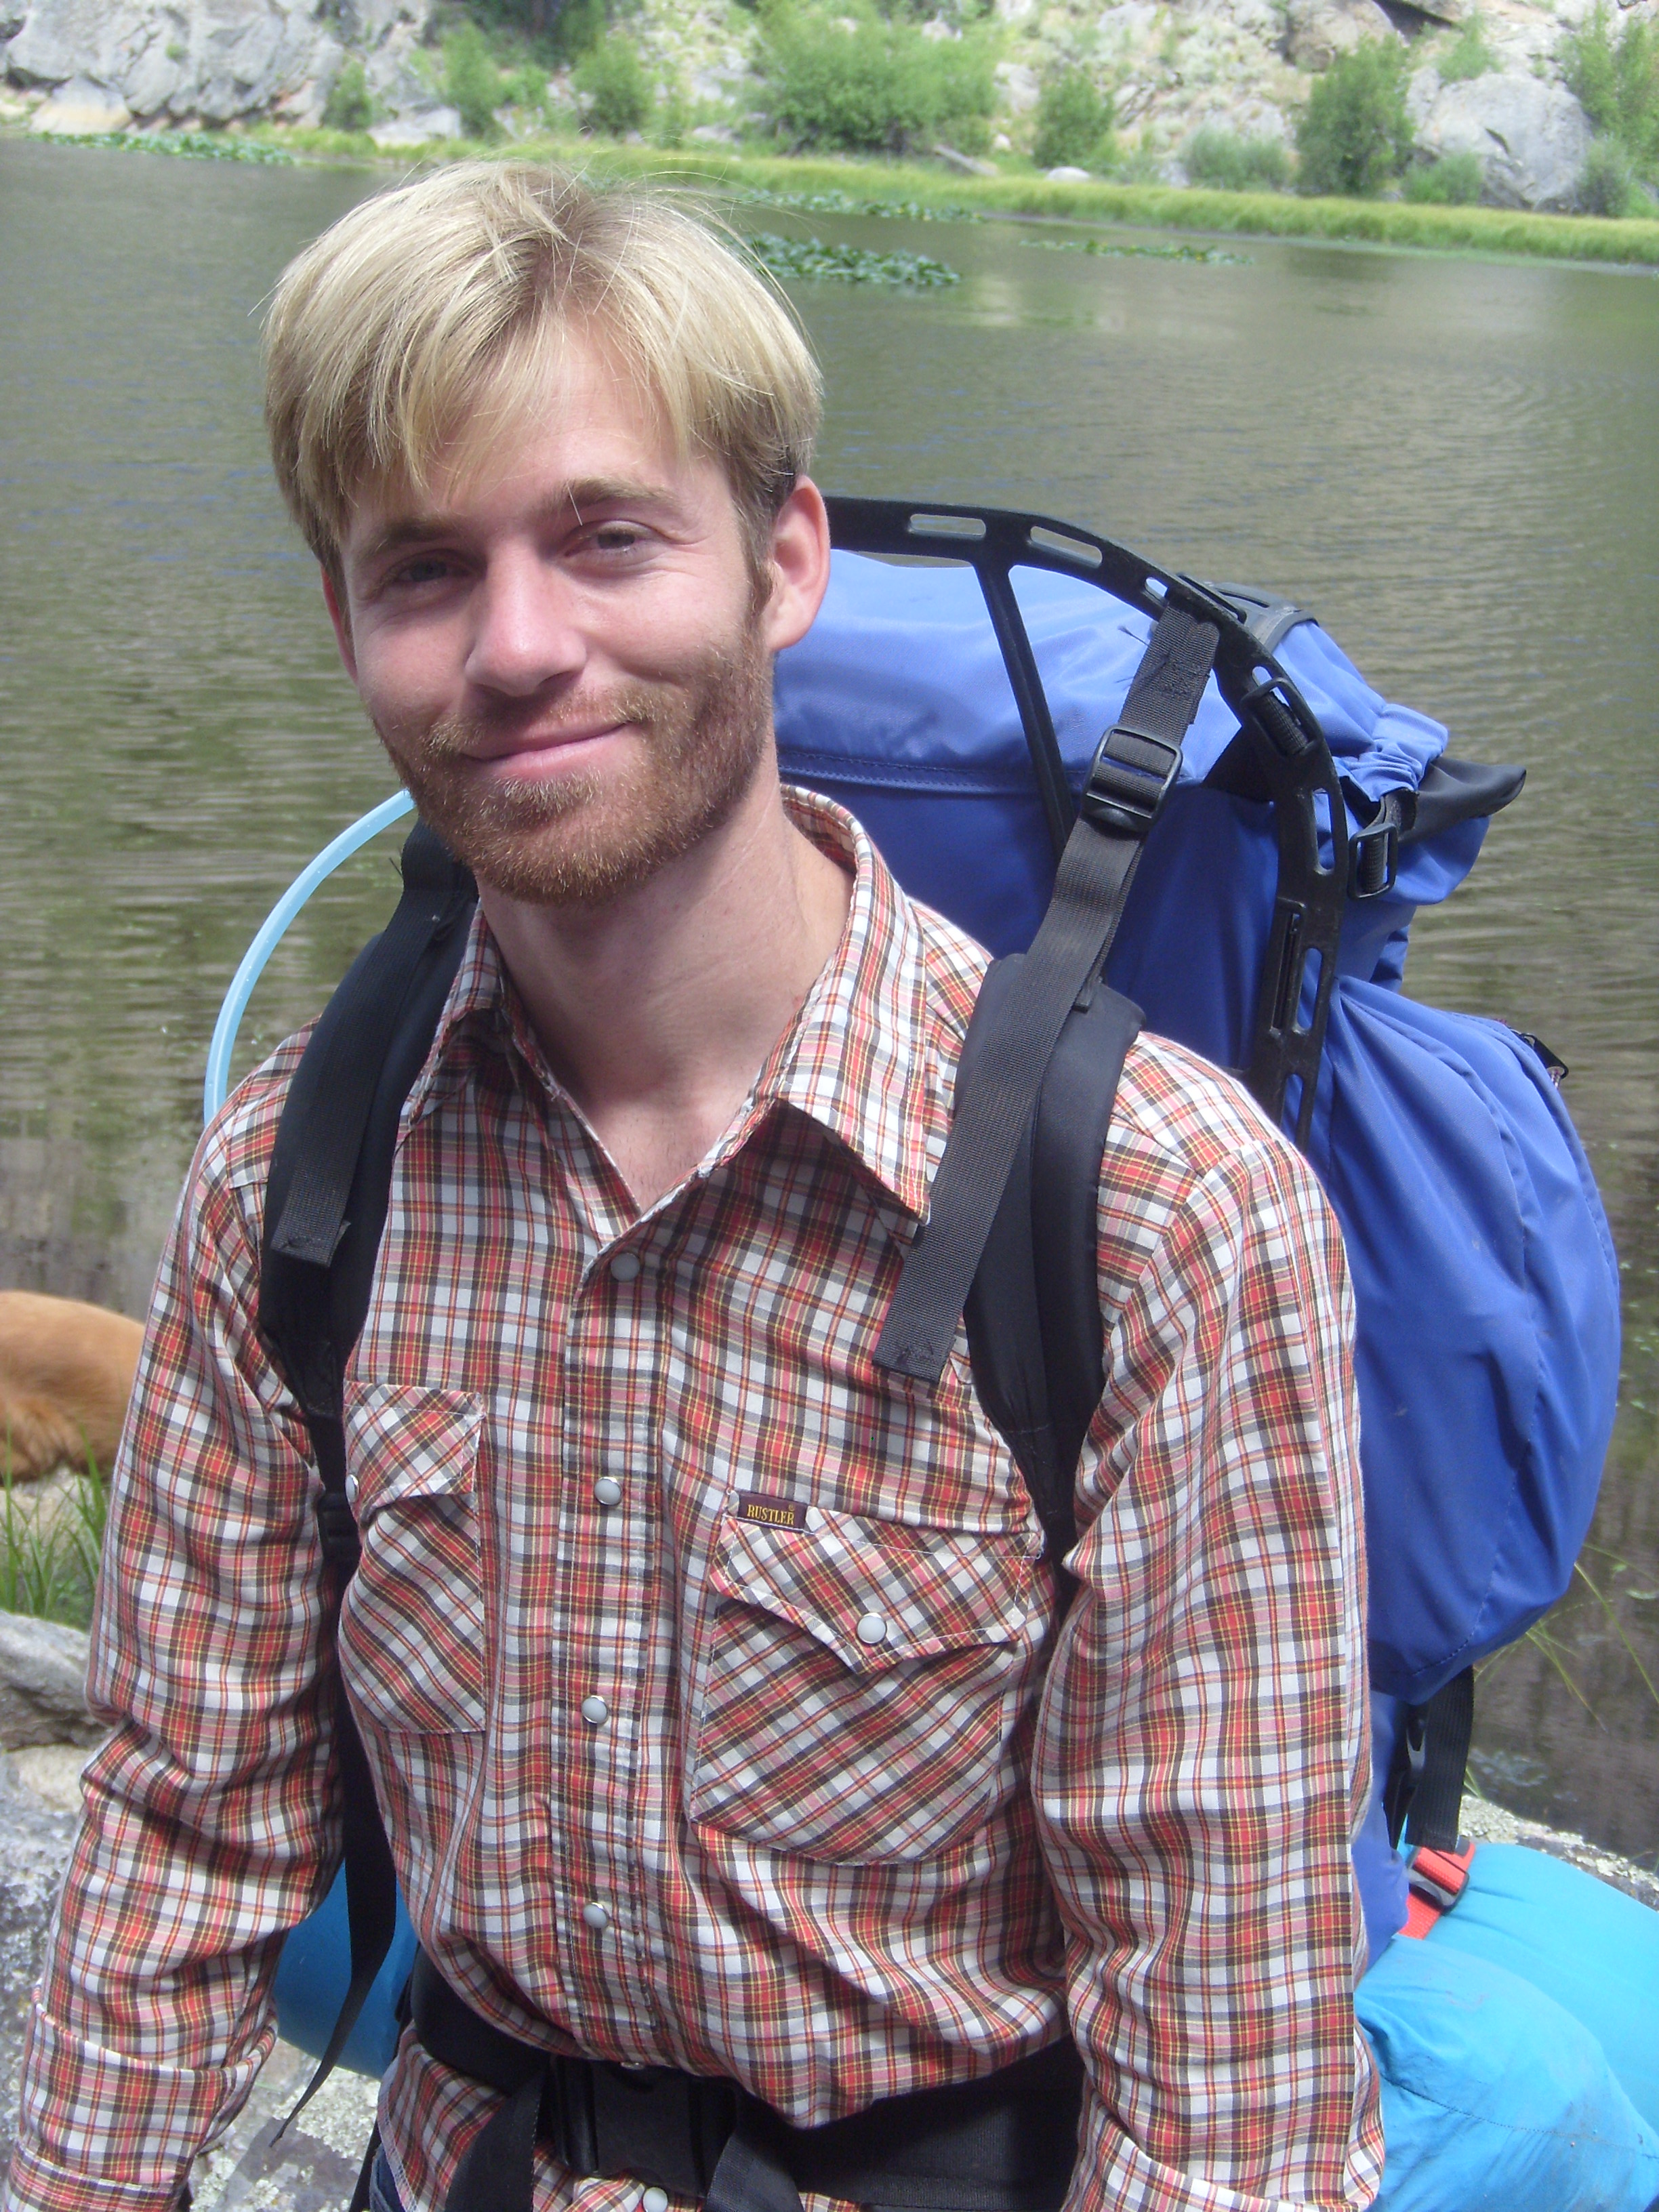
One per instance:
(525, 633)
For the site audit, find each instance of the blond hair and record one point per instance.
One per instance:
(431, 318)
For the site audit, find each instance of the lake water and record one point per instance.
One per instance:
(1454, 462)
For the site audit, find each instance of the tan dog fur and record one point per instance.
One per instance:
(66, 1373)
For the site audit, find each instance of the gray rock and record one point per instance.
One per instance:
(1531, 138)
(216, 59)
(80, 108)
(34, 1849)
(417, 127)
(1066, 174)
(1317, 31)
(1018, 83)
(43, 1684)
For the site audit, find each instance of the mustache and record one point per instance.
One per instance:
(461, 736)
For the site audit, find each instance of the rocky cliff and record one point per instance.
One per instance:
(1244, 66)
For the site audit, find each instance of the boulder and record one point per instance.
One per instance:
(79, 109)
(1317, 31)
(216, 60)
(417, 127)
(43, 1679)
(1532, 139)
(1018, 84)
(34, 1849)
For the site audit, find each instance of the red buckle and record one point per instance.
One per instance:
(1437, 1879)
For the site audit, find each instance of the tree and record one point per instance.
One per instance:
(1073, 120)
(612, 78)
(472, 83)
(1354, 136)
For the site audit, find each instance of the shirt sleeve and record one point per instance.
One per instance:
(1202, 1758)
(209, 1826)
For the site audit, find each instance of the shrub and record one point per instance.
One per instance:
(472, 83)
(878, 87)
(348, 106)
(578, 28)
(1607, 185)
(1228, 163)
(673, 118)
(1616, 83)
(1468, 56)
(527, 88)
(1072, 118)
(612, 78)
(1455, 180)
(1353, 136)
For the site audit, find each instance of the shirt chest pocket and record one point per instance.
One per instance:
(861, 1686)
(412, 1625)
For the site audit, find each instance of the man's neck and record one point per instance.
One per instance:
(659, 1009)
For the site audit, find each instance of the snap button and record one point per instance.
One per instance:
(625, 1267)
(872, 1628)
(595, 1711)
(351, 1489)
(654, 2200)
(597, 1917)
(608, 1490)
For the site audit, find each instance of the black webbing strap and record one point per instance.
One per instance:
(1005, 2142)
(325, 1203)
(1423, 1796)
(1131, 773)
(1035, 1337)
(1435, 1806)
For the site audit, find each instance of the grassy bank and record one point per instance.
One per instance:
(924, 189)
(849, 186)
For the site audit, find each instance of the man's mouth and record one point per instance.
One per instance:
(535, 754)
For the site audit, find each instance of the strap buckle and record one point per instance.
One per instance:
(337, 1527)
(1374, 851)
(1128, 780)
(1440, 1877)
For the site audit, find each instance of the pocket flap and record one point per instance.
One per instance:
(404, 1442)
(876, 1592)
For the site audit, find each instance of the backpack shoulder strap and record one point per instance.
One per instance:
(1035, 1334)
(325, 1204)
(1133, 770)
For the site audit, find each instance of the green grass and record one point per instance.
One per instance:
(50, 1548)
(910, 189)
(883, 187)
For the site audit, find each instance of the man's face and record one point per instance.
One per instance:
(559, 648)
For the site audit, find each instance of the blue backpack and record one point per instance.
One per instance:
(1485, 1277)
(1271, 856)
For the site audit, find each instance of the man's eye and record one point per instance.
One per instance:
(616, 538)
(425, 568)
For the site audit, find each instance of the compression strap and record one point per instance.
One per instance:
(1132, 773)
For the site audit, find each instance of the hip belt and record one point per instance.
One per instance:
(1005, 2143)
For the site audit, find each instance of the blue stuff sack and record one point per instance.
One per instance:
(1588, 1946)
(1484, 1274)
(314, 1972)
(1495, 2098)
(1518, 2044)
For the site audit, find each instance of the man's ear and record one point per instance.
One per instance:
(799, 561)
(334, 599)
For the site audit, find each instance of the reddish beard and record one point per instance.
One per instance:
(582, 839)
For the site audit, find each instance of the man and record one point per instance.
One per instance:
(709, 1675)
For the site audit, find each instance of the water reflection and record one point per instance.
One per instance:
(1456, 463)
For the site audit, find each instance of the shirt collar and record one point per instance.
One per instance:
(858, 1059)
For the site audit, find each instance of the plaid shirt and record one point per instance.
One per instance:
(705, 1670)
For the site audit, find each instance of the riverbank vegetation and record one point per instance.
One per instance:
(919, 190)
